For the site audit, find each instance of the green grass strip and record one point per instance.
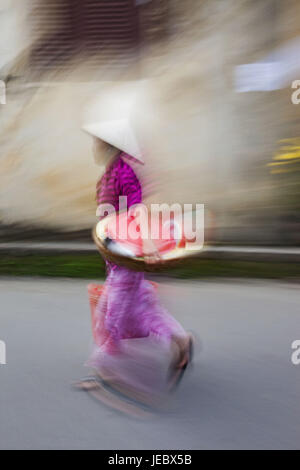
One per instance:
(91, 266)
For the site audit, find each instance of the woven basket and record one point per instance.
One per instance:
(136, 264)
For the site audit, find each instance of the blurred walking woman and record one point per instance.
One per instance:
(129, 308)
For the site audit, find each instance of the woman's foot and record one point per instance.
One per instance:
(86, 384)
(183, 357)
(184, 345)
(96, 387)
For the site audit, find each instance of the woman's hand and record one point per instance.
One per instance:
(150, 253)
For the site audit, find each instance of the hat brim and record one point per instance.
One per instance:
(117, 133)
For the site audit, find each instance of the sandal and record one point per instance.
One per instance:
(87, 383)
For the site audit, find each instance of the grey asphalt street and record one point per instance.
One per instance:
(243, 392)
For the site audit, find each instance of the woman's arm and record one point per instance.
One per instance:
(142, 219)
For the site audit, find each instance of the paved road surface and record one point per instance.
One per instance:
(244, 391)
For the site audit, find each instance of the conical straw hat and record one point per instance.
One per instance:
(113, 114)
